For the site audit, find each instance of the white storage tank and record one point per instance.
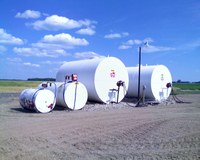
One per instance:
(39, 100)
(100, 76)
(72, 94)
(156, 79)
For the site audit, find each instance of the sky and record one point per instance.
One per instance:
(38, 36)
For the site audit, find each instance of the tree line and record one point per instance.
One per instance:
(41, 79)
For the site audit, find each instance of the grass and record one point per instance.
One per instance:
(186, 88)
(17, 86)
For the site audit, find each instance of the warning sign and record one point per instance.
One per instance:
(162, 77)
(112, 73)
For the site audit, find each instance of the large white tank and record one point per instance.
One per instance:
(100, 76)
(72, 94)
(39, 100)
(154, 78)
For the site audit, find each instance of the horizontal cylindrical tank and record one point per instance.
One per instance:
(155, 82)
(39, 100)
(72, 94)
(100, 76)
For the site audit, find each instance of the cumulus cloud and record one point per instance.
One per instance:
(28, 14)
(39, 52)
(128, 44)
(14, 60)
(60, 41)
(116, 35)
(6, 38)
(146, 49)
(123, 47)
(151, 49)
(31, 64)
(65, 39)
(48, 62)
(86, 31)
(52, 46)
(55, 23)
(87, 22)
(87, 55)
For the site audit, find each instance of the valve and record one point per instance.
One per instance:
(168, 85)
(67, 77)
(120, 83)
(45, 85)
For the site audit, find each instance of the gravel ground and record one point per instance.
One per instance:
(98, 131)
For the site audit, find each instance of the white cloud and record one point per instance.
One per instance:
(14, 60)
(31, 64)
(116, 35)
(87, 23)
(38, 52)
(86, 31)
(133, 42)
(87, 55)
(146, 49)
(53, 62)
(6, 38)
(28, 14)
(112, 36)
(65, 39)
(55, 22)
(51, 46)
(2, 49)
(60, 41)
(123, 47)
(124, 34)
(129, 44)
(148, 39)
(151, 49)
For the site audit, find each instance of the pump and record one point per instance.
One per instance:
(74, 77)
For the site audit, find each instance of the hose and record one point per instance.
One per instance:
(55, 95)
(137, 103)
(76, 83)
(176, 99)
(64, 91)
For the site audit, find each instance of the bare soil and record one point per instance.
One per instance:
(115, 131)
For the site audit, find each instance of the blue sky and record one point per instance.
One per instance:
(38, 36)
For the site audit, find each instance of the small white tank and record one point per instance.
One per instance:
(100, 76)
(39, 100)
(154, 78)
(72, 94)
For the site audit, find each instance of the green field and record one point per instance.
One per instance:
(17, 86)
(186, 88)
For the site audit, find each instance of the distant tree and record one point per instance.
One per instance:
(179, 81)
(41, 79)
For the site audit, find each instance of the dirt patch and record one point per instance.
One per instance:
(117, 131)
